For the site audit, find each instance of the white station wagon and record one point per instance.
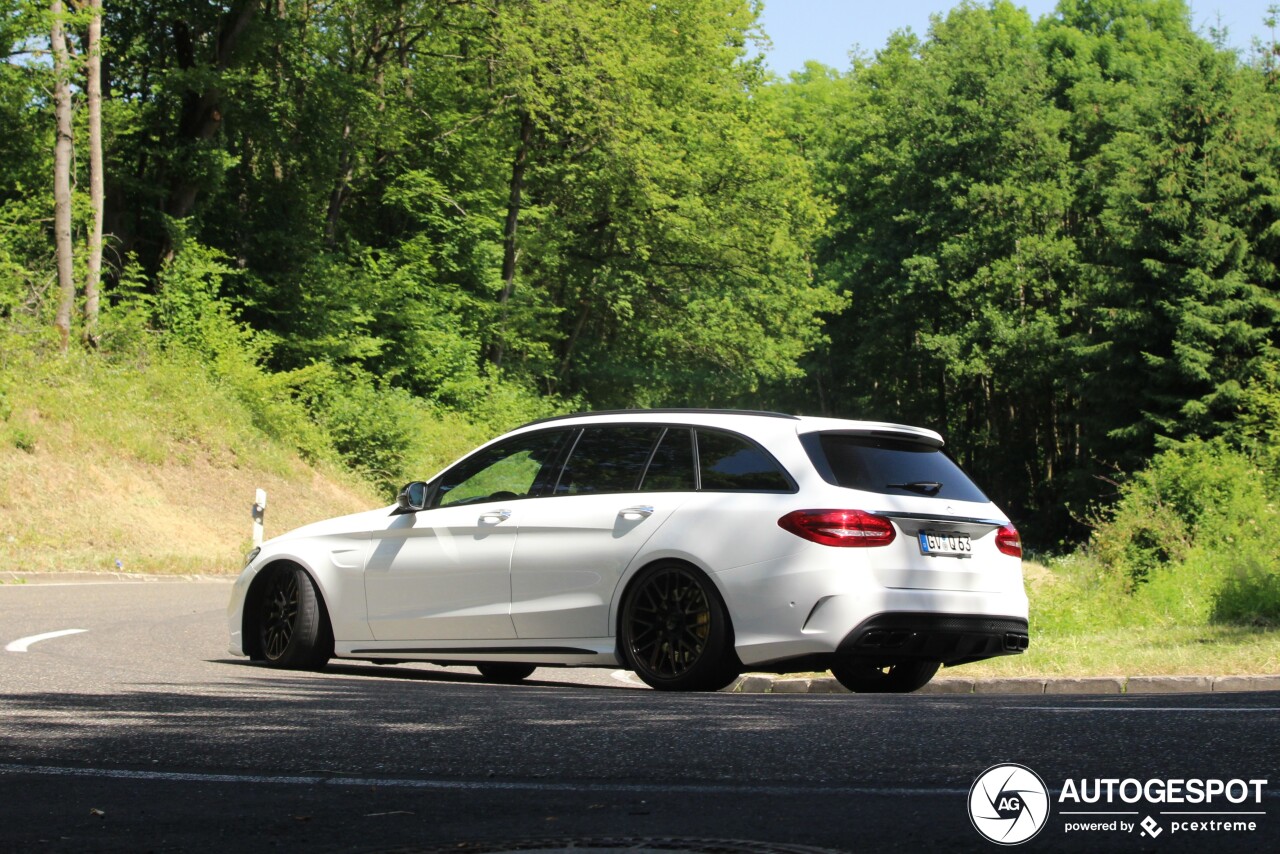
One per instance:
(685, 545)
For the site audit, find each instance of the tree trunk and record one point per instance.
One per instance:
(201, 116)
(346, 171)
(62, 153)
(509, 245)
(96, 195)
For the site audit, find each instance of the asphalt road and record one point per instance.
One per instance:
(141, 733)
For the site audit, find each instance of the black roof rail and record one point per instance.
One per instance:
(672, 411)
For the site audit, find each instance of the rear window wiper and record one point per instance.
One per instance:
(924, 487)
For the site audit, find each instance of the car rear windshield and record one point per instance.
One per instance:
(889, 466)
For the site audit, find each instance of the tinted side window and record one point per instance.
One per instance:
(522, 467)
(672, 468)
(608, 459)
(729, 462)
(889, 467)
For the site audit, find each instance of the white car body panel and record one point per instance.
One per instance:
(571, 552)
(442, 575)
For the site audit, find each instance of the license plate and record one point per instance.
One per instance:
(945, 544)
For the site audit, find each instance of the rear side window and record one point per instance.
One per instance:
(731, 463)
(672, 468)
(889, 466)
(608, 459)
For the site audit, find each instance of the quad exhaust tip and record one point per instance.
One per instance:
(1016, 642)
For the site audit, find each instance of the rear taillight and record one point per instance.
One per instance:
(844, 528)
(1008, 541)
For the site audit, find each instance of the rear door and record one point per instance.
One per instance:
(620, 484)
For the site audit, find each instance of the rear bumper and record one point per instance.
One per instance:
(949, 638)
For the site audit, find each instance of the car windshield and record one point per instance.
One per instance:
(889, 466)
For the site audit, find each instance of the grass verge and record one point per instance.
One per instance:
(1141, 651)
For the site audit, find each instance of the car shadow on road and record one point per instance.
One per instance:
(411, 673)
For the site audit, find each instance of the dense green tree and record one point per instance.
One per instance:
(1054, 242)
(585, 196)
(950, 237)
(674, 219)
(26, 159)
(1175, 149)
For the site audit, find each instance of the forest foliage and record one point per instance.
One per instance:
(1054, 241)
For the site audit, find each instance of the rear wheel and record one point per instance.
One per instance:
(675, 633)
(502, 671)
(865, 677)
(293, 629)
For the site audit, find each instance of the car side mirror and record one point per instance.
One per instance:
(413, 496)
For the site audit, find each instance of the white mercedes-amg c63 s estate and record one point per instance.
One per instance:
(686, 545)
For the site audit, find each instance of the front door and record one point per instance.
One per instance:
(444, 573)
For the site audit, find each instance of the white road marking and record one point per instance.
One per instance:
(798, 789)
(21, 644)
(1064, 709)
(627, 677)
(777, 789)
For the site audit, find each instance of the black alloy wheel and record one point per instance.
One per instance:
(279, 614)
(293, 630)
(675, 632)
(867, 677)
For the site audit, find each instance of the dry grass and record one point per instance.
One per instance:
(156, 471)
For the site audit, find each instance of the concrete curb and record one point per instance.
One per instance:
(763, 683)
(18, 579)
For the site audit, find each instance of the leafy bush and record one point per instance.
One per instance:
(1189, 538)
(1250, 595)
(1201, 495)
(373, 428)
(200, 325)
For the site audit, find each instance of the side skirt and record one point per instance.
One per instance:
(578, 652)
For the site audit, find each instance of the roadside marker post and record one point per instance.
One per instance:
(259, 516)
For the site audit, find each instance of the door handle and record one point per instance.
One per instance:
(644, 511)
(493, 517)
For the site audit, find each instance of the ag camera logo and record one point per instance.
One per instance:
(1009, 804)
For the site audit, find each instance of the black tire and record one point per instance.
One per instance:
(506, 672)
(675, 632)
(865, 677)
(293, 628)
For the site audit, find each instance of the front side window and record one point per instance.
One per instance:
(608, 459)
(731, 463)
(523, 467)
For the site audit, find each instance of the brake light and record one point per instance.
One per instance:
(1008, 541)
(842, 528)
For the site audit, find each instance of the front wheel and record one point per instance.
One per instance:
(675, 633)
(864, 677)
(293, 629)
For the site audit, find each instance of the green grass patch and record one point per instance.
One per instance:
(1089, 621)
(1139, 651)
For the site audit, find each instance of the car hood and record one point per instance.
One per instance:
(353, 525)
